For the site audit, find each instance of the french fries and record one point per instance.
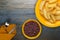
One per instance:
(58, 3)
(42, 5)
(53, 11)
(53, 18)
(50, 10)
(51, 21)
(48, 15)
(52, 5)
(58, 12)
(57, 17)
(58, 8)
(45, 13)
(52, 1)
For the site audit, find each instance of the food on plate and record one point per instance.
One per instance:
(31, 28)
(42, 5)
(52, 1)
(50, 9)
(57, 18)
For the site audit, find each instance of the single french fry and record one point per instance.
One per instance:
(45, 13)
(46, 6)
(42, 5)
(52, 1)
(58, 8)
(49, 7)
(53, 18)
(48, 15)
(57, 17)
(58, 13)
(53, 11)
(51, 21)
(52, 5)
(41, 12)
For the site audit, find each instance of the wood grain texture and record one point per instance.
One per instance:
(19, 11)
(17, 3)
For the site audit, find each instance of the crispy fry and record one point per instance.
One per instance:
(58, 13)
(58, 8)
(42, 5)
(53, 12)
(52, 1)
(51, 21)
(45, 13)
(57, 17)
(48, 15)
(53, 18)
(52, 5)
(48, 8)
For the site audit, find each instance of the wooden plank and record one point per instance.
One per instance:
(19, 3)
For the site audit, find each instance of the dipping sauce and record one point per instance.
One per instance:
(31, 28)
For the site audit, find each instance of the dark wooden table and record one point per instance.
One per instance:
(19, 11)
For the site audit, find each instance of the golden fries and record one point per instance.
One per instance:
(57, 17)
(58, 12)
(53, 18)
(42, 5)
(58, 8)
(58, 3)
(45, 13)
(52, 5)
(50, 10)
(51, 21)
(52, 1)
(53, 11)
(48, 15)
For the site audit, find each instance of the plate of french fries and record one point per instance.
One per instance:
(48, 12)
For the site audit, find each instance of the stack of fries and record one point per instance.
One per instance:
(50, 10)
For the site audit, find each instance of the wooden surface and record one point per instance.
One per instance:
(17, 3)
(20, 10)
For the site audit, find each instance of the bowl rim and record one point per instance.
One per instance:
(34, 36)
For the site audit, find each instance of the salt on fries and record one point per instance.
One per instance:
(50, 10)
